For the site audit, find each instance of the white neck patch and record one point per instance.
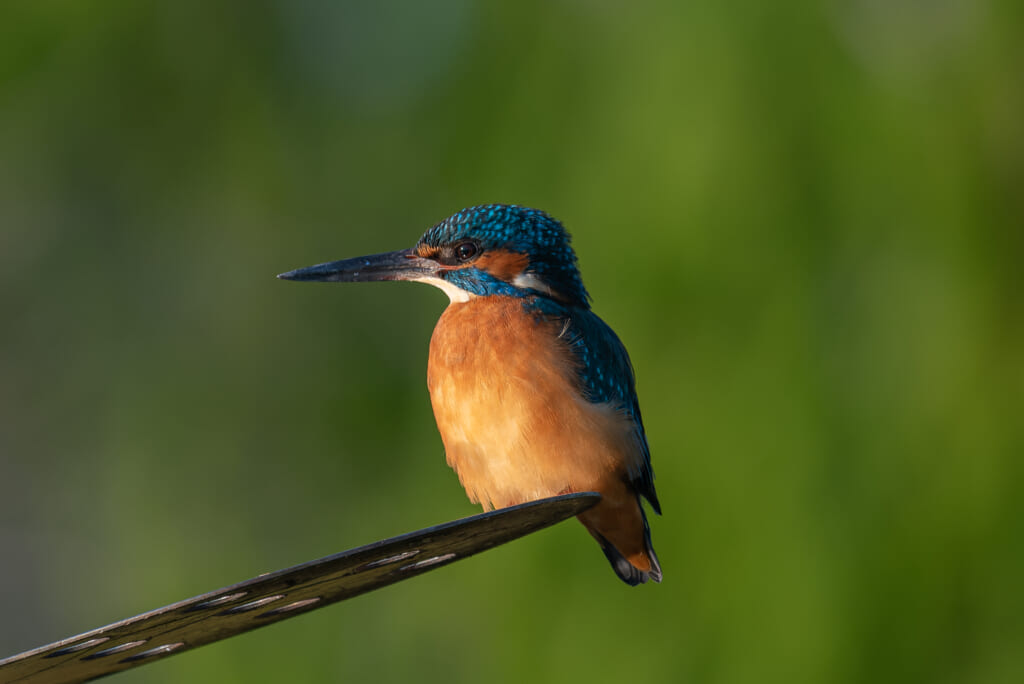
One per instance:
(529, 281)
(456, 294)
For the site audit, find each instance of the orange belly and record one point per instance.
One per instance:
(508, 406)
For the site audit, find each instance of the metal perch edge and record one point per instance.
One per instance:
(276, 596)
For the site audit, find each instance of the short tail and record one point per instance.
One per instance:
(627, 572)
(619, 524)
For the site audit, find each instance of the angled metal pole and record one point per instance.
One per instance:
(279, 595)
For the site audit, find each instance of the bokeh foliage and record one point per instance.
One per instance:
(804, 219)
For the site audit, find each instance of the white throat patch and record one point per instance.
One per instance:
(456, 294)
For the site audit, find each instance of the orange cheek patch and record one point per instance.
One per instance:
(502, 264)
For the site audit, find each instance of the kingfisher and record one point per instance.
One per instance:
(533, 394)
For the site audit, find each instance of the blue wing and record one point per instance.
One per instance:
(606, 375)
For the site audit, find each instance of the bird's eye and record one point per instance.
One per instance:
(465, 251)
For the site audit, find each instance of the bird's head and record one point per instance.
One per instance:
(492, 249)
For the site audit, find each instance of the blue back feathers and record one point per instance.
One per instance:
(606, 376)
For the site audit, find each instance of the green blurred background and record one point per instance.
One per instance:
(804, 220)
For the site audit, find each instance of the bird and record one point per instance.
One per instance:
(533, 394)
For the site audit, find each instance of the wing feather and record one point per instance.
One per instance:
(606, 375)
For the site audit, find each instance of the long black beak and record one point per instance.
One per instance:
(401, 265)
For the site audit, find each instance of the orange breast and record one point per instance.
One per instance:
(507, 403)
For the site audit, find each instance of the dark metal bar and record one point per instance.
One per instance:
(279, 595)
